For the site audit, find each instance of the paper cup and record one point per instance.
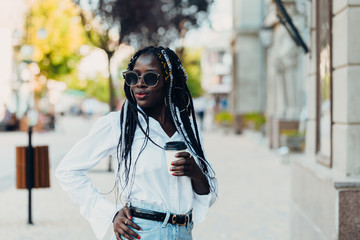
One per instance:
(171, 148)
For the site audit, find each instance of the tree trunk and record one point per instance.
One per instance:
(112, 97)
(182, 31)
(112, 94)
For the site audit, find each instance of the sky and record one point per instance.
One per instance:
(220, 19)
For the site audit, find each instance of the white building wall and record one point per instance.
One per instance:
(285, 78)
(5, 65)
(11, 20)
(336, 187)
(248, 74)
(310, 78)
(346, 86)
(248, 13)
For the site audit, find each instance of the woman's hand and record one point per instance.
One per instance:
(121, 224)
(186, 166)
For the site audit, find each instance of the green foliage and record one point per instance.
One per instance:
(224, 118)
(97, 87)
(121, 69)
(54, 29)
(293, 139)
(292, 133)
(255, 119)
(191, 61)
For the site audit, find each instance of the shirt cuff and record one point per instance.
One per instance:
(201, 206)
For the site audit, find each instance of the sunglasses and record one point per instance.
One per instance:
(132, 78)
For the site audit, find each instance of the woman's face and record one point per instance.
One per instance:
(148, 97)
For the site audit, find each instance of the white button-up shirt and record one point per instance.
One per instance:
(151, 183)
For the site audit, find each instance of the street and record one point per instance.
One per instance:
(253, 200)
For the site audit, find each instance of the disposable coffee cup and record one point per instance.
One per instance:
(171, 148)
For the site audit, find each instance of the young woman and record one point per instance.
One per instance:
(154, 204)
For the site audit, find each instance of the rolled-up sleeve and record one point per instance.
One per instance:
(72, 173)
(202, 203)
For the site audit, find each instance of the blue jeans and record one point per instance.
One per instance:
(155, 230)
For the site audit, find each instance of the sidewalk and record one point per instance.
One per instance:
(253, 203)
(254, 190)
(53, 213)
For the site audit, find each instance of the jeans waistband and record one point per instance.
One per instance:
(179, 219)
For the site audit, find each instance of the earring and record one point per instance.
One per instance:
(188, 97)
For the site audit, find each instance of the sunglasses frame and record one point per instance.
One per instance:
(141, 76)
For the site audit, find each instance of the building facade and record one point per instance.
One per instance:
(285, 88)
(312, 88)
(11, 32)
(216, 69)
(248, 95)
(325, 181)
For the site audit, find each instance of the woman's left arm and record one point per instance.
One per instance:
(204, 197)
(205, 187)
(186, 166)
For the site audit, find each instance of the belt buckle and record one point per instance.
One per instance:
(174, 217)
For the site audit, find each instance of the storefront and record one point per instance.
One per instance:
(326, 179)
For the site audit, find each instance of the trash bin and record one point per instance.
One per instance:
(41, 169)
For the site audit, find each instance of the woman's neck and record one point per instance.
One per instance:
(159, 114)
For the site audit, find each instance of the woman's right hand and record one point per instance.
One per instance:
(122, 222)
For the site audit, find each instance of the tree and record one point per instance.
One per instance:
(96, 86)
(103, 37)
(140, 23)
(54, 30)
(192, 64)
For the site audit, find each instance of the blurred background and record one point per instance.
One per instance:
(275, 81)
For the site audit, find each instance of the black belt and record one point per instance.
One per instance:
(179, 219)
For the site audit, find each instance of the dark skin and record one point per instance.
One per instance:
(151, 100)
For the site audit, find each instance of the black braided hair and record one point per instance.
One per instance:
(177, 95)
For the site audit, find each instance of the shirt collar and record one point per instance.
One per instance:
(154, 125)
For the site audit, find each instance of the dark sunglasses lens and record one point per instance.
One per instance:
(150, 79)
(131, 78)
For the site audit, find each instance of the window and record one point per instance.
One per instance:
(324, 82)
